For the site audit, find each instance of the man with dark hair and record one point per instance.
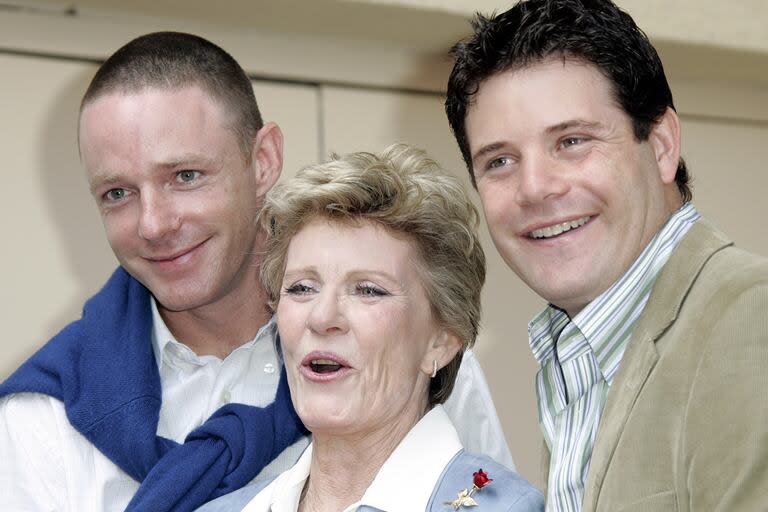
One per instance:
(169, 391)
(654, 344)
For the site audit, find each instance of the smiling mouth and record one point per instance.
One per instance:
(177, 256)
(558, 229)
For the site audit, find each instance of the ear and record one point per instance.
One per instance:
(267, 157)
(665, 141)
(442, 348)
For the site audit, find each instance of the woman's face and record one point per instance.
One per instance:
(356, 328)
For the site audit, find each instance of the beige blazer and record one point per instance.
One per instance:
(685, 426)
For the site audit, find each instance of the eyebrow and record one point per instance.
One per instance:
(295, 272)
(557, 128)
(193, 159)
(183, 160)
(100, 180)
(355, 273)
(573, 123)
(488, 148)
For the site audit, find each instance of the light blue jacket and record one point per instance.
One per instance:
(507, 493)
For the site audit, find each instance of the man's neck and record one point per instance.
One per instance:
(222, 326)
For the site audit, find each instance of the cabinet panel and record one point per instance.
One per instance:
(727, 162)
(294, 108)
(56, 253)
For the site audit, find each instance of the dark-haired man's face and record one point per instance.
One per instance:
(570, 196)
(176, 195)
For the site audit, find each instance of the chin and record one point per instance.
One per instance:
(331, 426)
(177, 300)
(321, 419)
(182, 292)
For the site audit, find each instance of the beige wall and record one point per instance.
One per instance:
(335, 89)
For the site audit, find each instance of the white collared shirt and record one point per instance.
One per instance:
(425, 451)
(48, 465)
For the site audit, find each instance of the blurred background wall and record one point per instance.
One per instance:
(340, 76)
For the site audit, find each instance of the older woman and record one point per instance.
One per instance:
(375, 270)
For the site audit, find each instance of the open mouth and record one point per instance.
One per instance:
(558, 229)
(324, 366)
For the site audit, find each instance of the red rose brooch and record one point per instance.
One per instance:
(479, 480)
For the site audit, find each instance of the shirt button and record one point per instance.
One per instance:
(269, 368)
(225, 397)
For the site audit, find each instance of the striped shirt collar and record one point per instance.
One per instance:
(604, 322)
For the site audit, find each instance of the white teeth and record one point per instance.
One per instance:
(323, 361)
(557, 229)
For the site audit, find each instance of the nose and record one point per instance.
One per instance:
(328, 315)
(540, 179)
(158, 217)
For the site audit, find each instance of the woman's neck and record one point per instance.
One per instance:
(343, 467)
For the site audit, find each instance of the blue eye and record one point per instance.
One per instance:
(187, 176)
(569, 142)
(369, 290)
(499, 162)
(298, 289)
(115, 194)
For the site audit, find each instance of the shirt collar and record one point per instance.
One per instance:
(425, 451)
(161, 335)
(167, 348)
(612, 310)
(284, 493)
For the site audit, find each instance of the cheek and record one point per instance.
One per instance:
(119, 228)
(391, 371)
(497, 203)
(205, 206)
(399, 344)
(242, 188)
(237, 217)
(614, 180)
(290, 323)
(377, 337)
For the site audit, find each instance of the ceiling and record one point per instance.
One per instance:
(693, 36)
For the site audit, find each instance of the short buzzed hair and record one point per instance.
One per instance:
(175, 60)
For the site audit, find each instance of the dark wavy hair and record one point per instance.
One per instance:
(593, 31)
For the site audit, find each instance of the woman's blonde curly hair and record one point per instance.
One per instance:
(411, 196)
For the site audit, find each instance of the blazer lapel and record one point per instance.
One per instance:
(637, 363)
(668, 295)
